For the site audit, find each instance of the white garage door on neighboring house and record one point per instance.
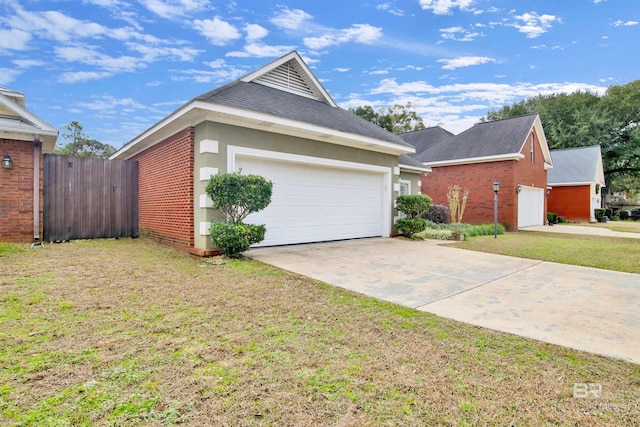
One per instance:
(530, 207)
(314, 202)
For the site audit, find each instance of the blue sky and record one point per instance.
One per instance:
(119, 66)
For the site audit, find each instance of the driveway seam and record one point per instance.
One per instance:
(479, 285)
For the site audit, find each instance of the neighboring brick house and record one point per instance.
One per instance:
(335, 175)
(576, 179)
(23, 139)
(513, 152)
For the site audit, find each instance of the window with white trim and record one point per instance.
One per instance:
(405, 187)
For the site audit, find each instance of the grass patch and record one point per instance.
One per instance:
(8, 249)
(618, 254)
(129, 333)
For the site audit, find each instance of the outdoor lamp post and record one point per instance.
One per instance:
(6, 162)
(496, 188)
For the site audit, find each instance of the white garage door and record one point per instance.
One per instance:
(530, 207)
(314, 204)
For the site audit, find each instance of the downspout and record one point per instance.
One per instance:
(36, 193)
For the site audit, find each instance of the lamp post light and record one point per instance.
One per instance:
(496, 188)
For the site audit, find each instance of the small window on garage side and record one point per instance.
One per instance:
(532, 148)
(405, 187)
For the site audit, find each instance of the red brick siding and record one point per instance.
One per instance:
(16, 192)
(479, 177)
(572, 203)
(166, 190)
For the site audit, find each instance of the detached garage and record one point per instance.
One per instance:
(335, 175)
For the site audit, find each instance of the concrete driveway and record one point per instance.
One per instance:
(583, 308)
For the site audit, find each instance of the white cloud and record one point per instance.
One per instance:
(464, 61)
(290, 19)
(255, 32)
(217, 31)
(359, 33)
(110, 103)
(443, 7)
(206, 76)
(387, 7)
(624, 23)
(170, 9)
(534, 25)
(90, 56)
(260, 50)
(14, 39)
(458, 34)
(28, 63)
(8, 75)
(82, 76)
(342, 70)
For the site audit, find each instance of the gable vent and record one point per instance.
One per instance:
(288, 77)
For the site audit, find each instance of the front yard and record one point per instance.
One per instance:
(126, 332)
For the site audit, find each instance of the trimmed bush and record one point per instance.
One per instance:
(413, 205)
(438, 214)
(410, 226)
(234, 238)
(552, 218)
(433, 234)
(237, 195)
(599, 214)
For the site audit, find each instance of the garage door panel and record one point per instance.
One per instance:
(311, 203)
(530, 207)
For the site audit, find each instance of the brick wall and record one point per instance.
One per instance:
(572, 203)
(16, 192)
(479, 177)
(166, 190)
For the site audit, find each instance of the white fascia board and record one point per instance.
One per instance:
(262, 121)
(569, 184)
(485, 159)
(40, 126)
(415, 169)
(196, 112)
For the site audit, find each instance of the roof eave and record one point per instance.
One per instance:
(407, 168)
(471, 160)
(197, 111)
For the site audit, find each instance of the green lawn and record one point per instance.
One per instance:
(123, 333)
(618, 254)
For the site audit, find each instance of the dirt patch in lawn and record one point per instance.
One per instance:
(126, 332)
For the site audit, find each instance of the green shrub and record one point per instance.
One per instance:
(480, 230)
(552, 218)
(410, 226)
(237, 195)
(433, 234)
(234, 238)
(438, 214)
(599, 214)
(413, 205)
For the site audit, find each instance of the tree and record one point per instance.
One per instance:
(396, 119)
(236, 196)
(80, 145)
(581, 119)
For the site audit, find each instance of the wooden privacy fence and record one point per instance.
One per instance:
(88, 198)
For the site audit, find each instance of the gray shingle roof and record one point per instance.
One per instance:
(483, 140)
(263, 99)
(407, 160)
(424, 139)
(575, 165)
